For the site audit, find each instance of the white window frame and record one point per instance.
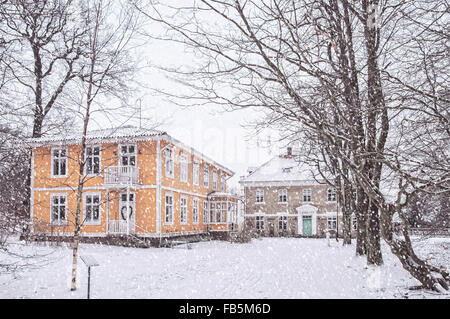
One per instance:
(184, 168)
(212, 212)
(260, 191)
(354, 223)
(282, 220)
(53, 158)
(99, 156)
(214, 180)
(205, 212)
(280, 195)
(195, 212)
(185, 208)
(169, 162)
(259, 222)
(195, 172)
(307, 193)
(92, 222)
(222, 183)
(166, 206)
(128, 154)
(59, 221)
(331, 192)
(332, 219)
(205, 176)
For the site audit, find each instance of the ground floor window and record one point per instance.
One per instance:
(259, 222)
(332, 223)
(183, 210)
(195, 211)
(58, 208)
(282, 223)
(169, 209)
(205, 212)
(92, 208)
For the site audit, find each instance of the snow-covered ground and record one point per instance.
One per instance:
(264, 268)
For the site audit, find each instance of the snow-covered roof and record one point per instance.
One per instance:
(119, 134)
(126, 131)
(282, 169)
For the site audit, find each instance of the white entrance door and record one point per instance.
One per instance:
(127, 214)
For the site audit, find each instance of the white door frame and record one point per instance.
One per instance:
(133, 206)
(307, 210)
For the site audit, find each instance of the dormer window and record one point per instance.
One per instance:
(287, 169)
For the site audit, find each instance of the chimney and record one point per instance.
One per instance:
(289, 152)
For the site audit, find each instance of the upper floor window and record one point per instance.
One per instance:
(195, 172)
(183, 210)
(260, 196)
(195, 211)
(222, 183)
(183, 168)
(282, 195)
(307, 194)
(214, 180)
(93, 160)
(128, 155)
(331, 194)
(58, 207)
(169, 210)
(59, 162)
(92, 208)
(205, 175)
(354, 223)
(332, 223)
(169, 162)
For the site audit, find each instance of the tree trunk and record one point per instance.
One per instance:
(361, 220)
(432, 278)
(374, 256)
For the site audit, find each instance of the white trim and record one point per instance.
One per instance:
(52, 175)
(158, 188)
(180, 191)
(96, 223)
(32, 191)
(307, 210)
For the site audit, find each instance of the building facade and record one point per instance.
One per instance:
(282, 198)
(136, 182)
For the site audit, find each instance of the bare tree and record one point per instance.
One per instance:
(329, 66)
(111, 30)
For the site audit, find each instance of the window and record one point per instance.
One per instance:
(332, 223)
(222, 183)
(354, 223)
(169, 162)
(92, 208)
(331, 194)
(260, 222)
(169, 209)
(282, 195)
(93, 160)
(259, 196)
(183, 210)
(223, 212)
(307, 195)
(128, 155)
(212, 212)
(205, 175)
(183, 168)
(282, 223)
(59, 162)
(195, 173)
(58, 208)
(195, 211)
(205, 212)
(214, 180)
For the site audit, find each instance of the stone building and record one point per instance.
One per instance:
(282, 198)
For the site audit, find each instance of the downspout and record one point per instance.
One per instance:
(158, 190)
(32, 191)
